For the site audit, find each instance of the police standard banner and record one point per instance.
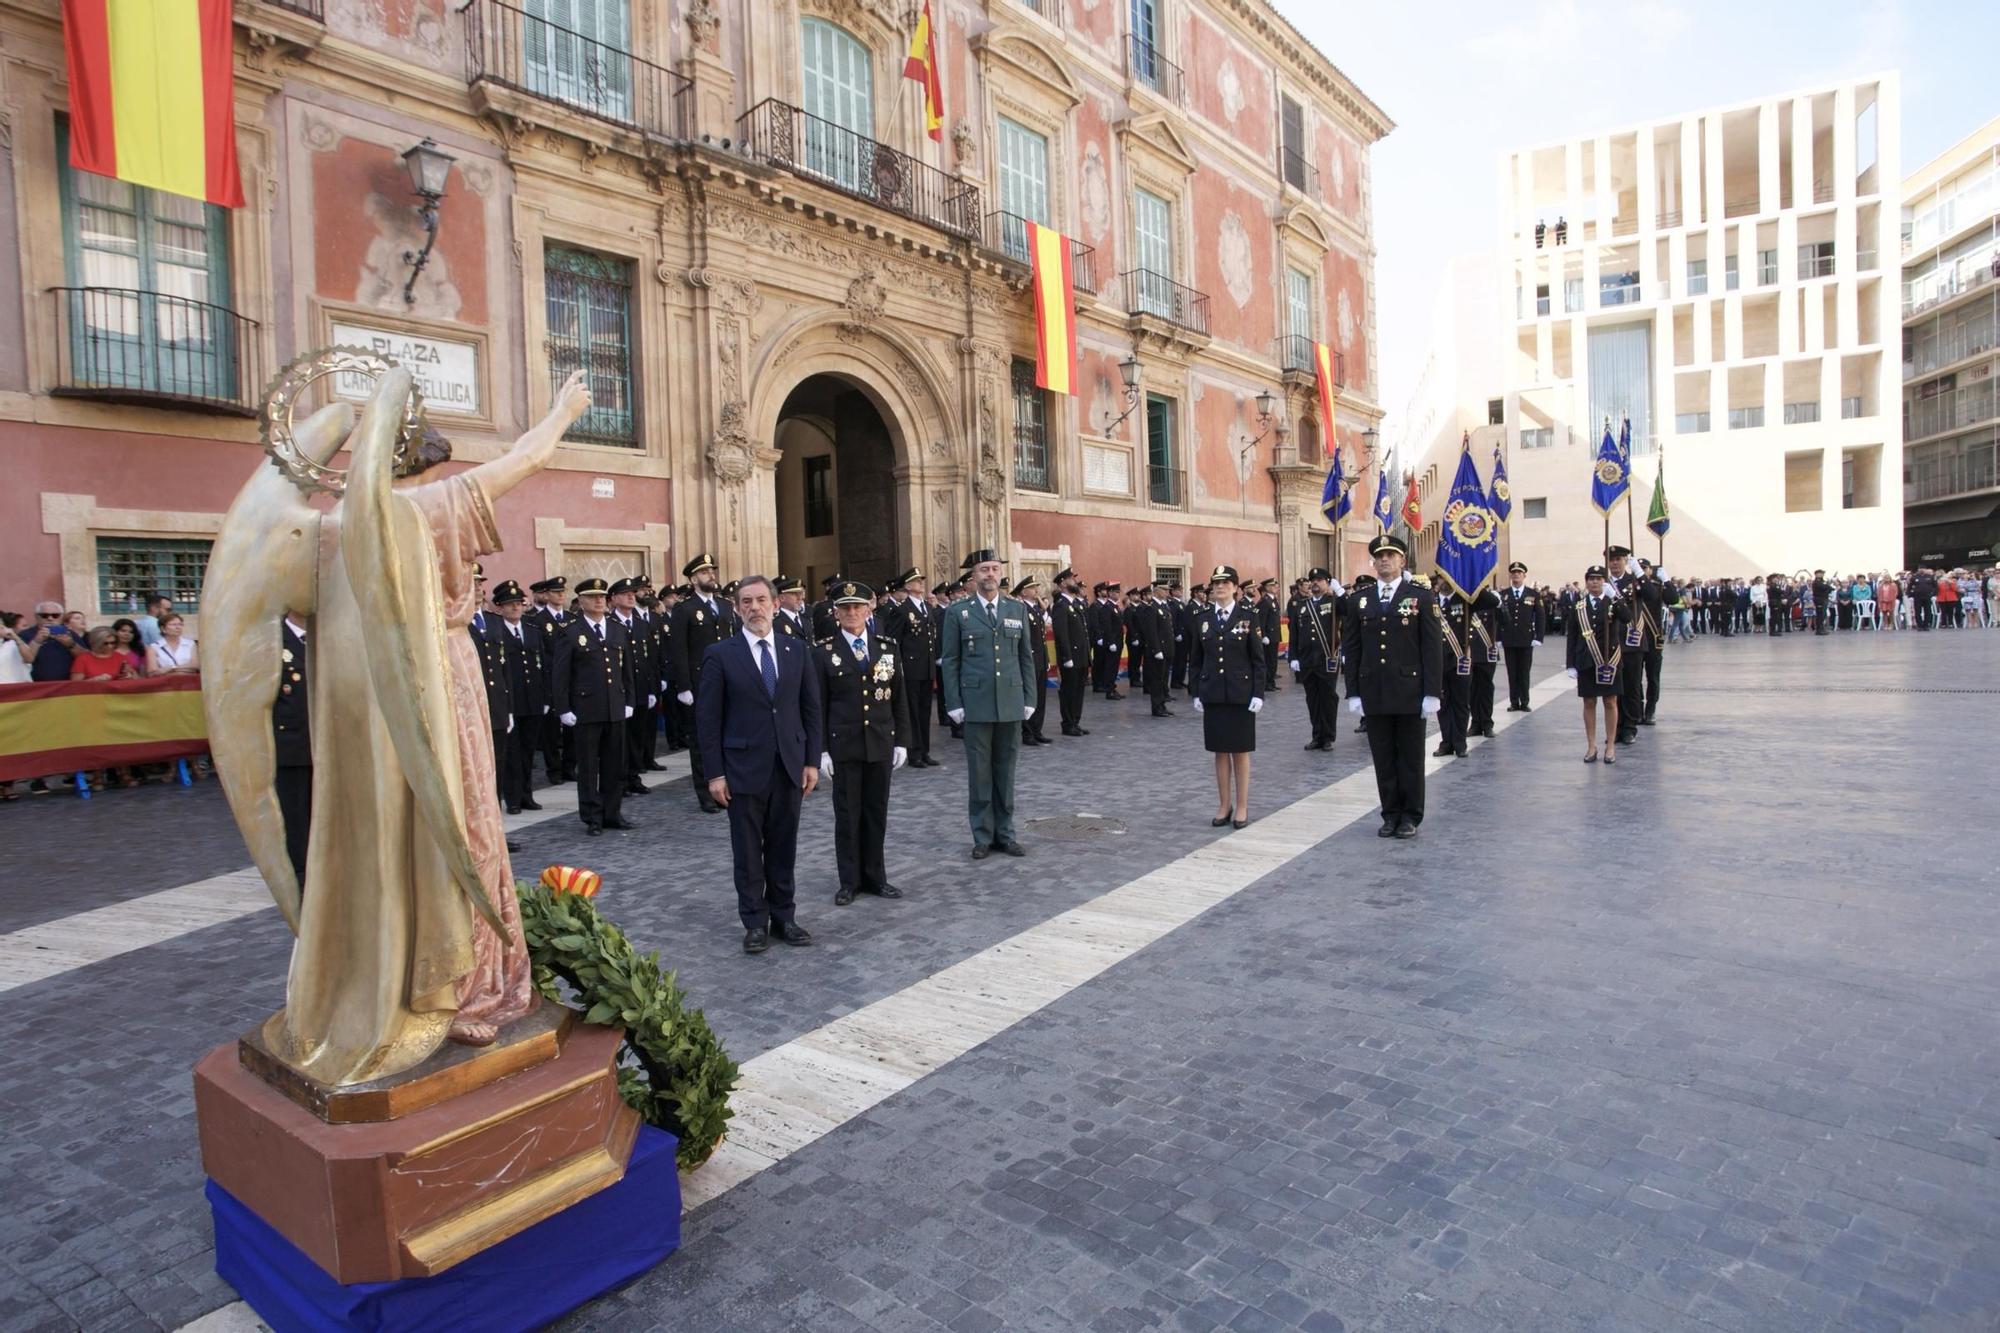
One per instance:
(72, 726)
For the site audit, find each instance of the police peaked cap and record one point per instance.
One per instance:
(1387, 542)
(508, 591)
(853, 594)
(591, 587)
(696, 565)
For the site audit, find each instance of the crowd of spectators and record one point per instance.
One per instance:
(52, 644)
(1820, 602)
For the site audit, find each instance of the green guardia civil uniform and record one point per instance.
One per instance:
(989, 672)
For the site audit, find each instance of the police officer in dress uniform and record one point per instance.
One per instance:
(1183, 616)
(1455, 714)
(988, 675)
(639, 651)
(701, 619)
(1598, 627)
(549, 615)
(1069, 622)
(527, 687)
(824, 621)
(1029, 594)
(1395, 678)
(1227, 671)
(866, 716)
(648, 671)
(1653, 608)
(1316, 657)
(291, 732)
(1521, 626)
(1107, 638)
(790, 618)
(909, 621)
(1644, 600)
(1485, 658)
(1155, 621)
(1274, 635)
(590, 680)
(493, 670)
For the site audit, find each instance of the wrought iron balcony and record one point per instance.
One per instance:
(312, 9)
(795, 139)
(1163, 485)
(1148, 65)
(1155, 294)
(1298, 173)
(128, 346)
(1007, 233)
(1052, 10)
(508, 48)
(1295, 357)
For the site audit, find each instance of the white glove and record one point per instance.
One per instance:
(1295, 664)
(1027, 711)
(1159, 657)
(1536, 644)
(957, 715)
(1197, 706)
(826, 765)
(686, 697)
(652, 701)
(1354, 706)
(567, 719)
(1069, 665)
(897, 757)
(1256, 705)
(1430, 705)
(1100, 643)
(628, 711)
(510, 724)
(1571, 673)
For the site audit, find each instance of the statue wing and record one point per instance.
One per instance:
(264, 563)
(392, 564)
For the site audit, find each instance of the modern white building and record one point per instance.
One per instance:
(1726, 279)
(1951, 355)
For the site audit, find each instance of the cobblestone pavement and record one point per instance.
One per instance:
(1703, 1040)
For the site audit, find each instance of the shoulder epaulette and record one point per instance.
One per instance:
(1421, 580)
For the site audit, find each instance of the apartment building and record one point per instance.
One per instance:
(1719, 279)
(808, 325)
(1951, 355)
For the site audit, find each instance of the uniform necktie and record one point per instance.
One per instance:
(768, 666)
(598, 630)
(990, 619)
(861, 651)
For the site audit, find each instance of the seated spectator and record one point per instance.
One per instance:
(126, 637)
(174, 654)
(48, 646)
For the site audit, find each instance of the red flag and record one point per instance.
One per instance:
(1413, 510)
(922, 65)
(1055, 309)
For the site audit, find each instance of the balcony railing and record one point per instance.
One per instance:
(1623, 293)
(1967, 339)
(1960, 278)
(1815, 266)
(795, 139)
(1163, 484)
(1008, 233)
(132, 346)
(1149, 66)
(1052, 10)
(1295, 357)
(509, 48)
(312, 9)
(1298, 173)
(1955, 410)
(1150, 293)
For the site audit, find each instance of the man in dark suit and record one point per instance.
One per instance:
(757, 704)
(291, 731)
(527, 688)
(1315, 656)
(1069, 622)
(867, 716)
(700, 619)
(912, 625)
(1395, 680)
(590, 680)
(1521, 619)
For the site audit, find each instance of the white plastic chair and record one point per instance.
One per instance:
(1864, 615)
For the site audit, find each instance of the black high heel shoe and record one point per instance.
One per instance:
(1240, 823)
(1219, 821)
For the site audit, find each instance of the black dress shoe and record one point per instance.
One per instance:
(1012, 848)
(1218, 821)
(981, 851)
(620, 823)
(513, 846)
(885, 891)
(513, 809)
(1646, 722)
(1388, 829)
(708, 807)
(1441, 752)
(843, 897)
(593, 830)
(531, 804)
(791, 933)
(1406, 829)
(1165, 712)
(1083, 731)
(1461, 752)
(1072, 731)
(1240, 823)
(756, 941)
(1633, 739)
(1312, 744)
(1487, 731)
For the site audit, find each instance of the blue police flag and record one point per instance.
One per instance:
(1336, 499)
(1610, 475)
(1468, 548)
(1499, 498)
(1385, 498)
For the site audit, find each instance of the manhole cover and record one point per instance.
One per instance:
(1075, 828)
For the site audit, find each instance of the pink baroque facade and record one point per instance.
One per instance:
(809, 327)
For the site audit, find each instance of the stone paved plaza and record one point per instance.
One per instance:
(1710, 1039)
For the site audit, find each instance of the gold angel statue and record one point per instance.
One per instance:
(411, 932)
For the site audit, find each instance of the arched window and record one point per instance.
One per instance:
(840, 101)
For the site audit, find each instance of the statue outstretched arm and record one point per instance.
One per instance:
(391, 561)
(532, 452)
(263, 564)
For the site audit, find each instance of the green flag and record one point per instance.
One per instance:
(1656, 517)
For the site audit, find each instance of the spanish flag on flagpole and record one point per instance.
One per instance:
(1055, 309)
(1323, 364)
(922, 66)
(152, 94)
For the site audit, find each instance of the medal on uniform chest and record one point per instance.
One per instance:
(885, 669)
(700, 616)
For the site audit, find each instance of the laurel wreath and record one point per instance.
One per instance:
(671, 1069)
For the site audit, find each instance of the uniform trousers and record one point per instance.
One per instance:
(1178, 679)
(1104, 667)
(636, 741)
(1322, 703)
(1396, 744)
(558, 760)
(670, 722)
(600, 771)
(1631, 692)
(763, 845)
(1033, 726)
(517, 767)
(1483, 671)
(1454, 707)
(1157, 681)
(1072, 683)
(295, 798)
(860, 821)
(1520, 674)
(992, 750)
(1651, 660)
(695, 768)
(919, 689)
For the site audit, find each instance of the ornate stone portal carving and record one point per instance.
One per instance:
(866, 300)
(730, 453)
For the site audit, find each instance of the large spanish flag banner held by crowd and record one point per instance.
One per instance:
(1055, 309)
(152, 94)
(65, 726)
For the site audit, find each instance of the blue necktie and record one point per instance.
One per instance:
(861, 651)
(768, 666)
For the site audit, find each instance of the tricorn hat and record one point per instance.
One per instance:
(979, 557)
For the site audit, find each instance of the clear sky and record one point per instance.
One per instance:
(1464, 82)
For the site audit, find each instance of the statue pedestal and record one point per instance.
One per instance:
(406, 1177)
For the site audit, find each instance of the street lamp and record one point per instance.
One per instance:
(429, 167)
(1265, 402)
(1128, 373)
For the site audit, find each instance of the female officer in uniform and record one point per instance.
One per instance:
(1226, 671)
(1596, 643)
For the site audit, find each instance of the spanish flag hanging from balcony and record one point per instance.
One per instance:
(1055, 309)
(922, 66)
(1323, 364)
(153, 94)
